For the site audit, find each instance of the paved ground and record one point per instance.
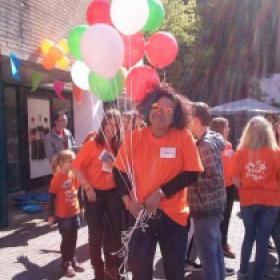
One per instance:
(29, 250)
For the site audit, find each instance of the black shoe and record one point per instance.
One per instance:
(229, 271)
(193, 266)
(67, 270)
(271, 248)
(76, 266)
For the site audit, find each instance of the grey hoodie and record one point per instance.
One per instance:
(54, 144)
(208, 196)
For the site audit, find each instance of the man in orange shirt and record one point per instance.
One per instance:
(152, 169)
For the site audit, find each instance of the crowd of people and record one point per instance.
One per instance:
(173, 163)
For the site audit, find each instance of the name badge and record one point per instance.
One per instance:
(168, 152)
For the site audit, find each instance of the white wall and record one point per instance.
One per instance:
(271, 86)
(87, 116)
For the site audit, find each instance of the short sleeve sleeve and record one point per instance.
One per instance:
(236, 166)
(123, 159)
(54, 185)
(84, 156)
(192, 161)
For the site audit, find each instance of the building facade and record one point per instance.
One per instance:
(26, 116)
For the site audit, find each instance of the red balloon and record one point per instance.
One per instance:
(99, 12)
(162, 49)
(134, 49)
(140, 81)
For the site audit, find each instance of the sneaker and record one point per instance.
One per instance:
(271, 248)
(67, 270)
(242, 276)
(76, 266)
(229, 271)
(228, 252)
(193, 266)
(274, 273)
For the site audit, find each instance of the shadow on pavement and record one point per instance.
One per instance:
(48, 272)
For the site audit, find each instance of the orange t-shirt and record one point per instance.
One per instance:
(66, 189)
(89, 162)
(226, 155)
(258, 172)
(155, 161)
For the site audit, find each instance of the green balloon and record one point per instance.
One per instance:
(156, 16)
(106, 90)
(74, 40)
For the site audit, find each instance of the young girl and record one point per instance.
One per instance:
(65, 209)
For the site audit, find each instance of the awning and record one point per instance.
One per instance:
(246, 105)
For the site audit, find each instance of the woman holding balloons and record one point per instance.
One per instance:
(158, 162)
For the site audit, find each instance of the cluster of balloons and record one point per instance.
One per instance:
(114, 39)
(55, 54)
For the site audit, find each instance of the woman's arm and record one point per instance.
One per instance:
(91, 195)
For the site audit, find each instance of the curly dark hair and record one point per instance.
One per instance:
(182, 104)
(100, 138)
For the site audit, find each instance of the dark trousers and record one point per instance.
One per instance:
(230, 191)
(68, 228)
(258, 223)
(108, 205)
(172, 239)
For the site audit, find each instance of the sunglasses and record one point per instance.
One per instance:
(167, 110)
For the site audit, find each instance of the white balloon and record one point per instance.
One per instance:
(79, 74)
(129, 16)
(102, 49)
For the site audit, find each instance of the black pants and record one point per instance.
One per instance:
(68, 228)
(227, 213)
(172, 239)
(108, 205)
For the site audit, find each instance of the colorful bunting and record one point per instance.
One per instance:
(78, 94)
(15, 66)
(36, 79)
(58, 87)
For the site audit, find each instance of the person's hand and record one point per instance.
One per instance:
(132, 206)
(153, 200)
(51, 221)
(91, 194)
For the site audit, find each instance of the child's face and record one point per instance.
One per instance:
(66, 166)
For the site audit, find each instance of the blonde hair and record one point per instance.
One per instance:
(258, 133)
(61, 157)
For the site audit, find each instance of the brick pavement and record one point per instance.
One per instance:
(29, 250)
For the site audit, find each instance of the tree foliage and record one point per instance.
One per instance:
(237, 42)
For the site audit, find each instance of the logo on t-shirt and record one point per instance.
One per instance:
(256, 170)
(69, 193)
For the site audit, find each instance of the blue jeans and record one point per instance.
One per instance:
(68, 228)
(172, 239)
(276, 236)
(208, 240)
(258, 222)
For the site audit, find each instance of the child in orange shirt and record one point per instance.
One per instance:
(65, 209)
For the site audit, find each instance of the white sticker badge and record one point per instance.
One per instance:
(168, 152)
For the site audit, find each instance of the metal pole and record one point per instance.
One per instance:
(3, 159)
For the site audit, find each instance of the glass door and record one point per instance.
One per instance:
(12, 147)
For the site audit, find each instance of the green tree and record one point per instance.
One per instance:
(237, 41)
(183, 21)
